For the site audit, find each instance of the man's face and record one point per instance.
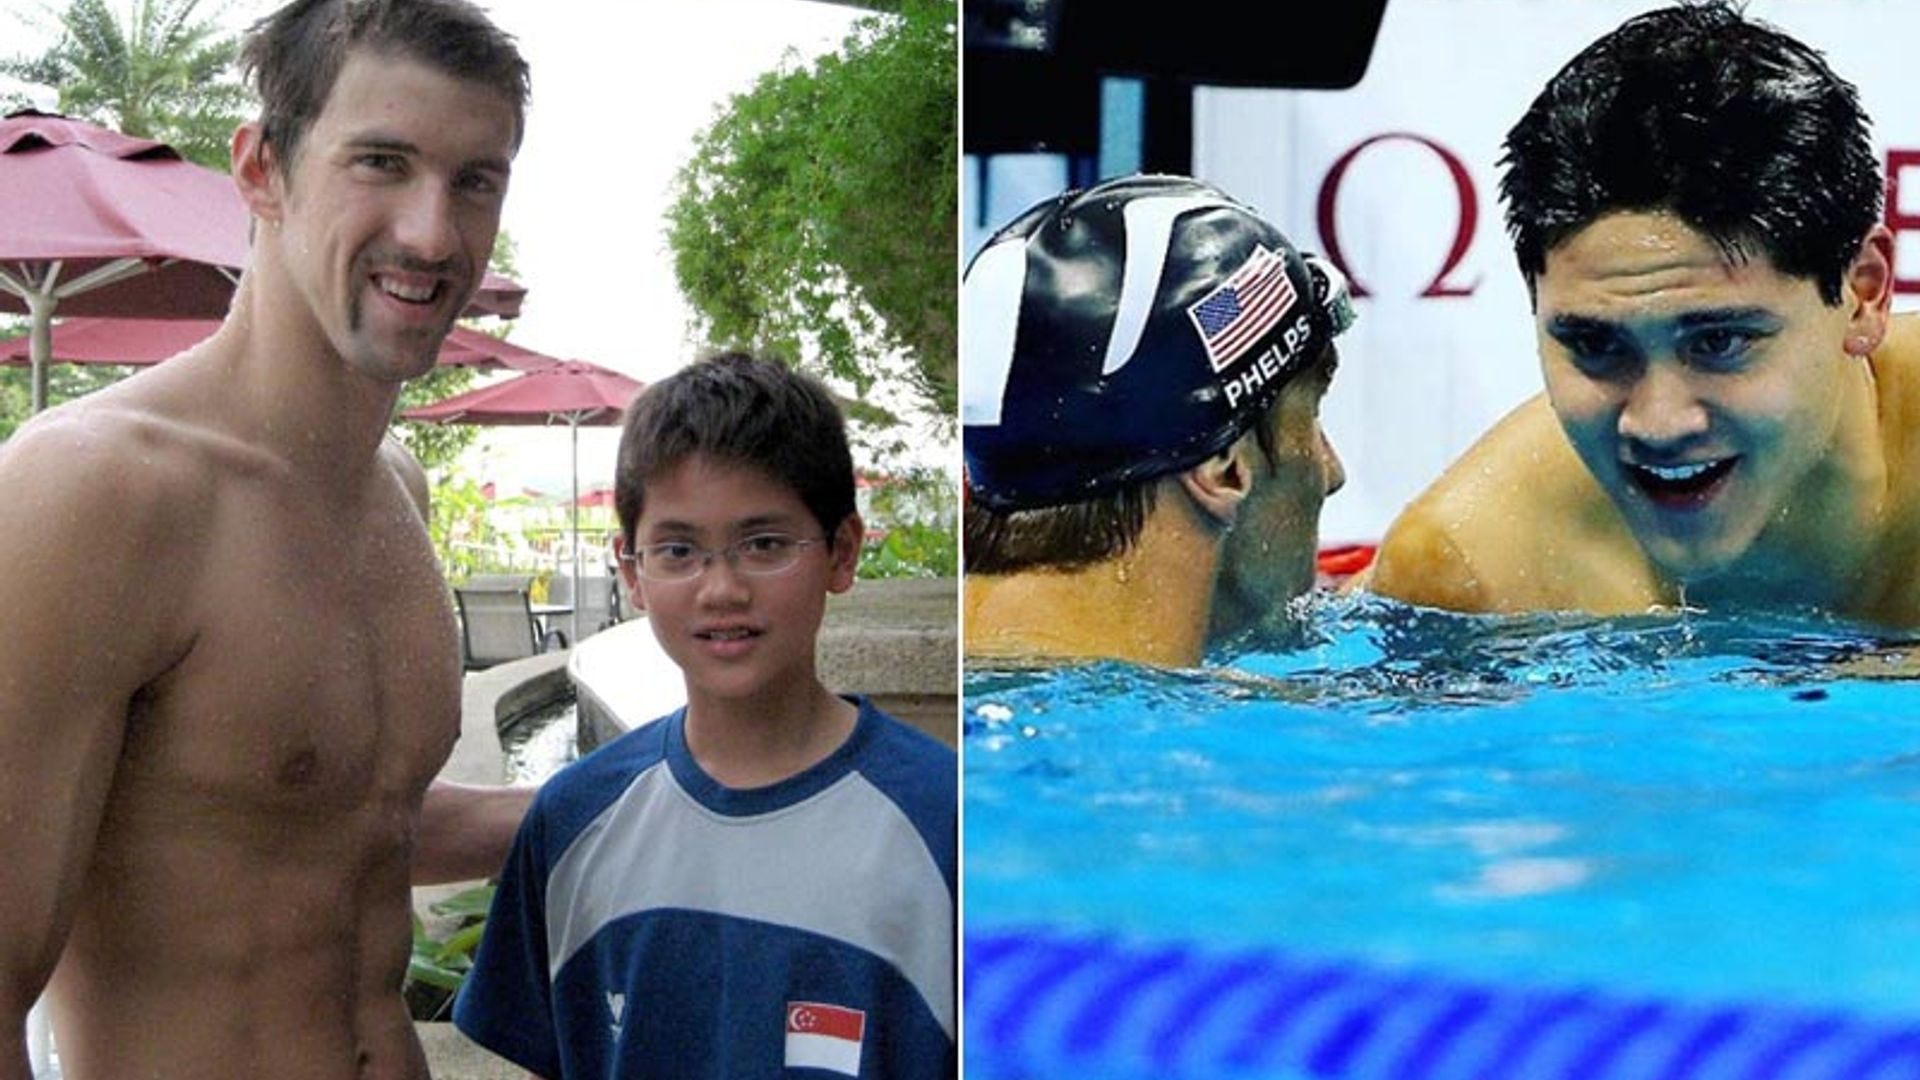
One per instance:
(734, 634)
(1700, 393)
(390, 208)
(1269, 554)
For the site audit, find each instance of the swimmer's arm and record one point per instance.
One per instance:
(89, 583)
(466, 831)
(1419, 562)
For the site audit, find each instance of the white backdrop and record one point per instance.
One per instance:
(1432, 363)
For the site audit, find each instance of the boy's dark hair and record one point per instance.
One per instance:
(744, 410)
(293, 56)
(1080, 534)
(1742, 132)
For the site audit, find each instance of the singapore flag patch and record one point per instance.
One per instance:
(821, 1036)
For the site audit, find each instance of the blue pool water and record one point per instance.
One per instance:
(1416, 844)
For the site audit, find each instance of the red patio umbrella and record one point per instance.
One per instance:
(573, 393)
(94, 222)
(140, 342)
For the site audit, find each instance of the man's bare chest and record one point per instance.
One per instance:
(324, 672)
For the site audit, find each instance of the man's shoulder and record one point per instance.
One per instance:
(407, 469)
(89, 467)
(1480, 537)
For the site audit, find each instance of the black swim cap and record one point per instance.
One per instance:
(1128, 331)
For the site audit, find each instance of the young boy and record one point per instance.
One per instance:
(763, 881)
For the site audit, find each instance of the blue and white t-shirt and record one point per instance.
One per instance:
(653, 923)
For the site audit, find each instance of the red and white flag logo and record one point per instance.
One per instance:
(824, 1037)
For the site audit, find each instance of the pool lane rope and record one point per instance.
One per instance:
(1044, 1005)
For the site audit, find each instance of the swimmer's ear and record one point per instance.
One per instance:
(1868, 289)
(255, 172)
(629, 573)
(1220, 484)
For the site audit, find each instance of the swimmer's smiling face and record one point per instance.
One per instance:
(387, 210)
(1704, 394)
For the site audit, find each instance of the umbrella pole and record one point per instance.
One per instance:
(40, 346)
(579, 590)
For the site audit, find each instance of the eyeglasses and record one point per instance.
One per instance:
(759, 555)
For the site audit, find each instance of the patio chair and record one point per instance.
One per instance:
(598, 607)
(496, 625)
(597, 603)
(523, 582)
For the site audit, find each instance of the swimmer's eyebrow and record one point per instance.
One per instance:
(1565, 325)
(1726, 316)
(1569, 324)
(391, 144)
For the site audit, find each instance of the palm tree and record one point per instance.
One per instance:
(163, 70)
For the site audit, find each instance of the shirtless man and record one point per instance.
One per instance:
(232, 669)
(1732, 416)
(1143, 365)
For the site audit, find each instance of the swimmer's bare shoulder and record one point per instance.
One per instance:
(1891, 593)
(408, 471)
(1516, 524)
(100, 512)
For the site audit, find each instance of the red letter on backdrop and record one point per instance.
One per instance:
(1468, 220)
(1898, 221)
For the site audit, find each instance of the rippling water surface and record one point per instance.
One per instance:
(1694, 810)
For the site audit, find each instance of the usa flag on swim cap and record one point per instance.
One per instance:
(1243, 308)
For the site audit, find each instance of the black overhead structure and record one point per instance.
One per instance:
(1035, 68)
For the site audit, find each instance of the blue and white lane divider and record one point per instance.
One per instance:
(1043, 1005)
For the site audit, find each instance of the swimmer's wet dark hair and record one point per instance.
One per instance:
(738, 409)
(293, 57)
(1740, 131)
(1072, 536)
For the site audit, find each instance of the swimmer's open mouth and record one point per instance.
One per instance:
(1680, 487)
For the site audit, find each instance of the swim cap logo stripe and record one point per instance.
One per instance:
(990, 313)
(1149, 236)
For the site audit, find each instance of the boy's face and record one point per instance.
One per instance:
(1701, 394)
(389, 207)
(734, 634)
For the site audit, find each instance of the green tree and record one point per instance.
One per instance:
(162, 70)
(817, 216)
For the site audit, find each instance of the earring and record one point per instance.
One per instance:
(1859, 345)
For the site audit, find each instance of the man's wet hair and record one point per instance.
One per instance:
(1075, 535)
(738, 409)
(1740, 131)
(292, 57)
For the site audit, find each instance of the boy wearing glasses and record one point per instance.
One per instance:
(765, 879)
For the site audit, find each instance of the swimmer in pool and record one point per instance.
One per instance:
(1732, 416)
(232, 672)
(1143, 364)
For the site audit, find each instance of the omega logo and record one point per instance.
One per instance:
(1469, 218)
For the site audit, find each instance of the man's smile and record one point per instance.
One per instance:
(1682, 485)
